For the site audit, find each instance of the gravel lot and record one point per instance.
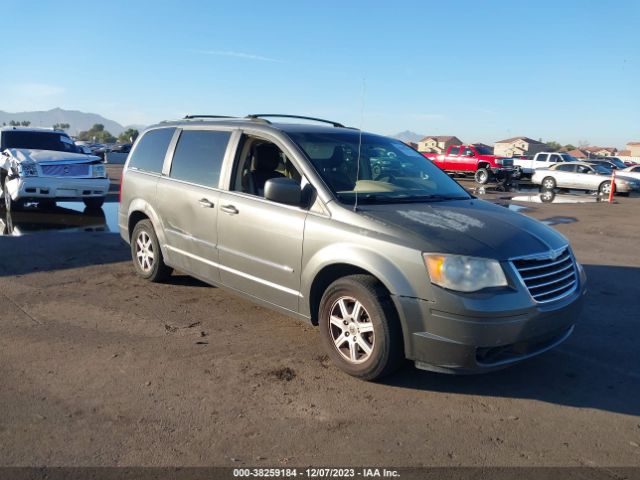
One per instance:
(98, 367)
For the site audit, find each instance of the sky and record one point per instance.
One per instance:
(561, 70)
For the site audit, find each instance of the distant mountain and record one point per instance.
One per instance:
(408, 136)
(79, 121)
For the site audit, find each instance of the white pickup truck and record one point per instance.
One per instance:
(541, 160)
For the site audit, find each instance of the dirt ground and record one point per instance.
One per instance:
(99, 368)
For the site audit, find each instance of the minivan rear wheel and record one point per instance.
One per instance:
(146, 254)
(359, 327)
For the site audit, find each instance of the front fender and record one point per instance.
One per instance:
(368, 259)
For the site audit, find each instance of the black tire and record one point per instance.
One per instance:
(94, 202)
(378, 317)
(548, 183)
(482, 176)
(143, 242)
(605, 187)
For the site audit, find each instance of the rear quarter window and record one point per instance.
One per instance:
(151, 149)
(198, 156)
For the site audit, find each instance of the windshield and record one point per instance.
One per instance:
(601, 168)
(388, 172)
(617, 162)
(38, 141)
(568, 158)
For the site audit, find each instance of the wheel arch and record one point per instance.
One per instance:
(337, 261)
(141, 210)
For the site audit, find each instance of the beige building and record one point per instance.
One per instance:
(518, 146)
(437, 144)
(601, 151)
(634, 149)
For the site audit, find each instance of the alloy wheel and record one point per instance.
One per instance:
(144, 251)
(351, 330)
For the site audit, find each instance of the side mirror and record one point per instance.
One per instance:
(283, 190)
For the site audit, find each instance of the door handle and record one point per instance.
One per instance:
(230, 209)
(204, 203)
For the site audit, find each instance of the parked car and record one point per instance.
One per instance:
(117, 154)
(540, 160)
(633, 172)
(43, 165)
(292, 216)
(475, 160)
(609, 162)
(619, 164)
(592, 176)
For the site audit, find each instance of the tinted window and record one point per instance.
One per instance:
(542, 157)
(482, 150)
(635, 169)
(468, 152)
(454, 151)
(38, 141)
(565, 168)
(555, 158)
(151, 149)
(199, 156)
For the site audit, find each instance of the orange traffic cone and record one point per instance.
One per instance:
(613, 185)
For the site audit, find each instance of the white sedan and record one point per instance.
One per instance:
(583, 176)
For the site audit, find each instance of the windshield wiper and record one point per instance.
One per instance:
(436, 197)
(375, 198)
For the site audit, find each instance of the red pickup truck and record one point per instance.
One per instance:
(476, 160)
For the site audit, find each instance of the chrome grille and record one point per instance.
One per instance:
(548, 279)
(72, 170)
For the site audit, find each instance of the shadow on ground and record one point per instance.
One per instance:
(598, 367)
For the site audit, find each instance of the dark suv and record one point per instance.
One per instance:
(354, 232)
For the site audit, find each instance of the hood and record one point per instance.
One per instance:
(50, 156)
(467, 227)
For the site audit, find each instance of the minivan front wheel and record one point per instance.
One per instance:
(146, 254)
(359, 327)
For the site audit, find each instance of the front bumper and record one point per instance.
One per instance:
(506, 173)
(55, 188)
(471, 339)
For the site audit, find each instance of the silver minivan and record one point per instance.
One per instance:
(356, 233)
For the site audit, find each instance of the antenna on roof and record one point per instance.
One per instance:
(355, 203)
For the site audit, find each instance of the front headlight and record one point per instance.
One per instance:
(27, 169)
(464, 274)
(99, 171)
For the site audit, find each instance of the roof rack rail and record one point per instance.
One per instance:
(278, 115)
(190, 117)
